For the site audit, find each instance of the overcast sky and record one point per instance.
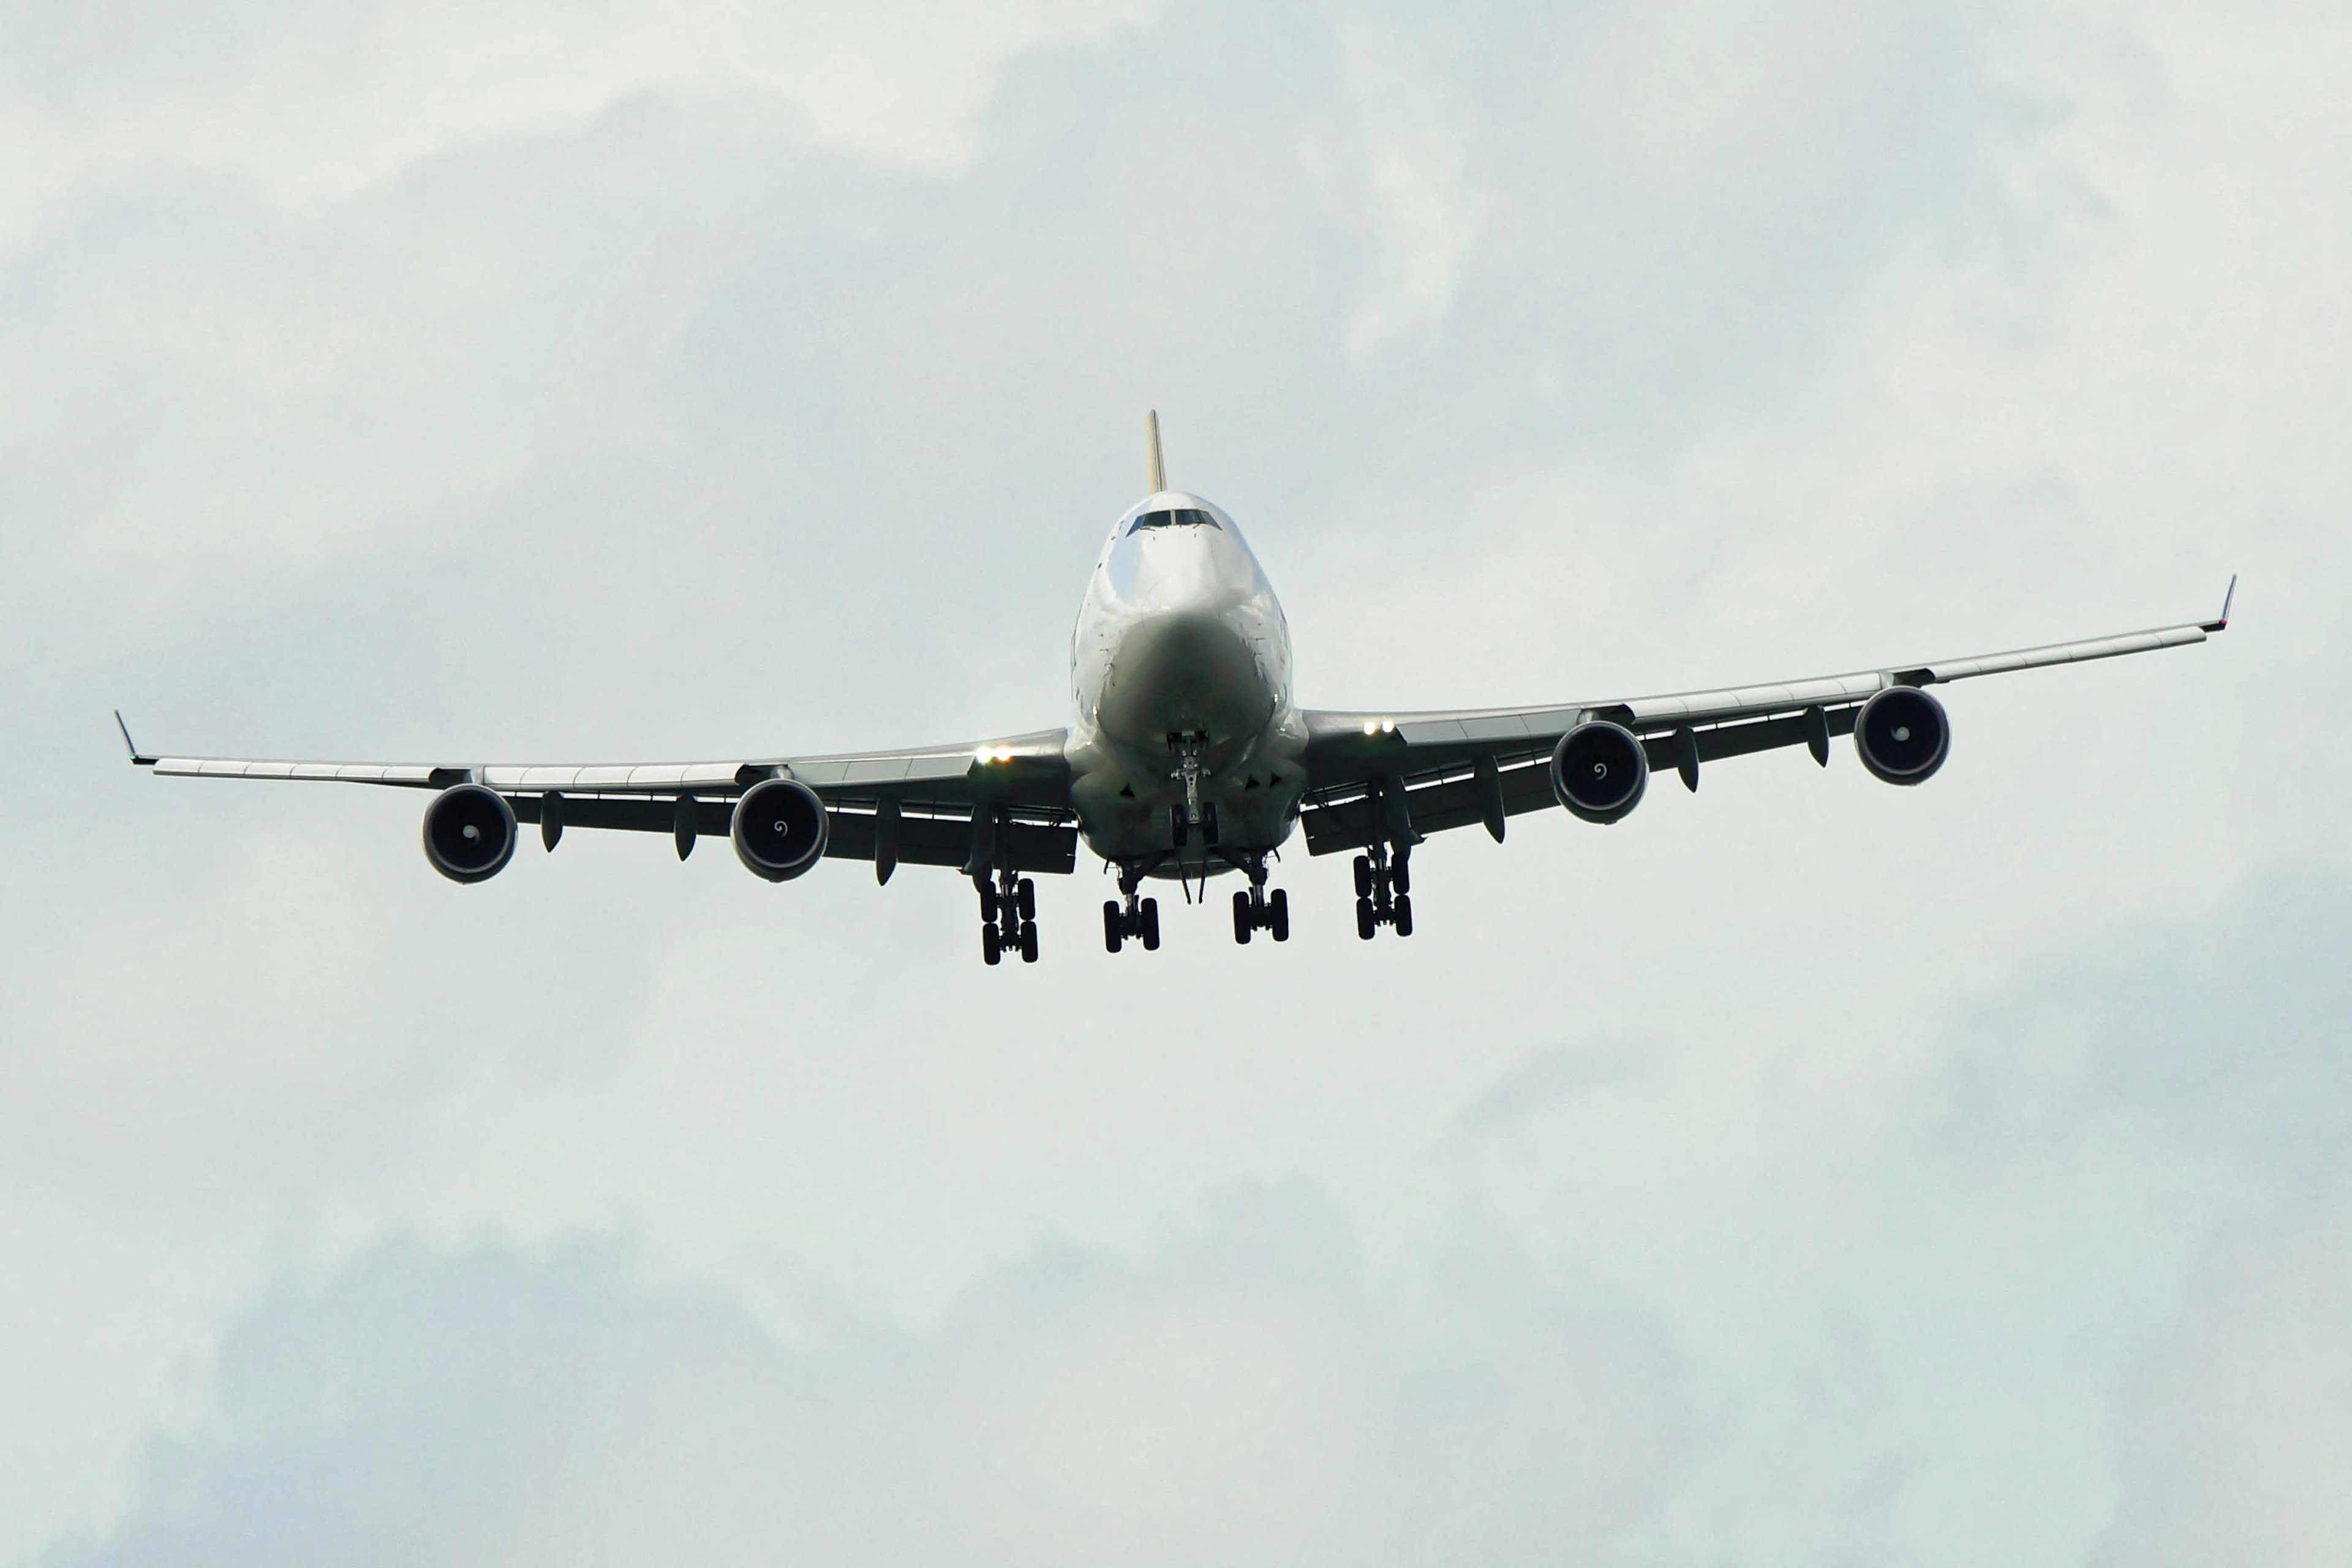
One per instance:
(1804, 1172)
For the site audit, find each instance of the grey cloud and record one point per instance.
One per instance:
(1242, 1394)
(2234, 1028)
(2235, 1429)
(660, 423)
(1561, 1072)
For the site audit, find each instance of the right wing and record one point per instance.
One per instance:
(1397, 777)
(938, 805)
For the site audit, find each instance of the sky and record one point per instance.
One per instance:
(1800, 1171)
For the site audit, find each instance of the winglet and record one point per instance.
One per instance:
(130, 745)
(1151, 436)
(2221, 622)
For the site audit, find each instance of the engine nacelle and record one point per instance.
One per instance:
(1598, 771)
(780, 829)
(469, 833)
(1902, 735)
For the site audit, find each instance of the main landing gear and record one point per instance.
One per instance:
(1384, 892)
(1137, 917)
(1008, 917)
(1255, 910)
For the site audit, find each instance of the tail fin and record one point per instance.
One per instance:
(1152, 434)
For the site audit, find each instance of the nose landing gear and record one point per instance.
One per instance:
(1008, 917)
(1137, 917)
(1383, 891)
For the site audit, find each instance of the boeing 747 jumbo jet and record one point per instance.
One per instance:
(1186, 758)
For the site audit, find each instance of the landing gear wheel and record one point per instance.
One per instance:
(1400, 879)
(1024, 899)
(1403, 920)
(1028, 941)
(1277, 914)
(1363, 876)
(991, 944)
(1151, 925)
(987, 901)
(1367, 921)
(1242, 920)
(1114, 926)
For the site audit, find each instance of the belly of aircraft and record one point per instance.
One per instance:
(1192, 675)
(1187, 676)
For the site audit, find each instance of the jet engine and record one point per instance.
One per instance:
(469, 833)
(1599, 771)
(1902, 735)
(780, 829)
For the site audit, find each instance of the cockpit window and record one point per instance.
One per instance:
(1180, 517)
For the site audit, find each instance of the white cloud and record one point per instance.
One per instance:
(559, 383)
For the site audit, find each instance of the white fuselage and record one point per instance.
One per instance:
(1182, 649)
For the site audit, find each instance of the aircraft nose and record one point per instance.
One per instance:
(1188, 568)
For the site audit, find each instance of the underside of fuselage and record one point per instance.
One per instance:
(1187, 755)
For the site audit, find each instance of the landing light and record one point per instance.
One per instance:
(1380, 727)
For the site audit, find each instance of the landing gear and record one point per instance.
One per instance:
(1182, 820)
(1008, 917)
(1180, 828)
(1255, 910)
(1382, 886)
(1137, 917)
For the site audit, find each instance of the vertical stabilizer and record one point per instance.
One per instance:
(1151, 435)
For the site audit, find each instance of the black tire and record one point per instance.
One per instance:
(1025, 900)
(991, 943)
(987, 903)
(1277, 915)
(1399, 876)
(1404, 921)
(1367, 921)
(1114, 927)
(1363, 876)
(1151, 925)
(1028, 941)
(1241, 921)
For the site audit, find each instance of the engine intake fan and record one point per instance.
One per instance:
(780, 829)
(1599, 771)
(1903, 735)
(469, 833)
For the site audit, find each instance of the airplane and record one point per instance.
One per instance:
(1187, 758)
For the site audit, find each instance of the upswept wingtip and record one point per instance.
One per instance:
(2221, 622)
(130, 745)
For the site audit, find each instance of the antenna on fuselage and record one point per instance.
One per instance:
(1151, 436)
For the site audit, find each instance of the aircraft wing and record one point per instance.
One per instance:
(934, 799)
(1398, 776)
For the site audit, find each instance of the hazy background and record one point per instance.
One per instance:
(1802, 1172)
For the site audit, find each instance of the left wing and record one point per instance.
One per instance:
(940, 806)
(1397, 777)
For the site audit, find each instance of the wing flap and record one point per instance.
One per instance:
(1045, 848)
(412, 776)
